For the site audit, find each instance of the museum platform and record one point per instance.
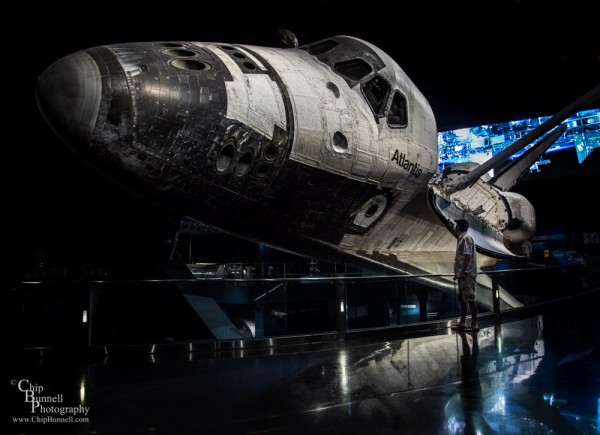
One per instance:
(533, 370)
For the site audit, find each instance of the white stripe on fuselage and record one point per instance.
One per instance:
(252, 99)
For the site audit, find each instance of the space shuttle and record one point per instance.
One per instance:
(327, 150)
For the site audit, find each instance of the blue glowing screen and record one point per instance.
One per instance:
(478, 144)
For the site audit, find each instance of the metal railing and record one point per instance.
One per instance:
(219, 309)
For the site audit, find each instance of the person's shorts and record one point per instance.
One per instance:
(466, 289)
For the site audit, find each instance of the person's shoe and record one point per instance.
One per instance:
(474, 327)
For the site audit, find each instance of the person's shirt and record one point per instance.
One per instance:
(465, 246)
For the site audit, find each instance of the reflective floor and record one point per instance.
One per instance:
(534, 376)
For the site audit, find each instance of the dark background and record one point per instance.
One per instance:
(477, 62)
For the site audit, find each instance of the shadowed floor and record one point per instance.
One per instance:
(530, 376)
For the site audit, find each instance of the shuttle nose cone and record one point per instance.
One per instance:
(68, 95)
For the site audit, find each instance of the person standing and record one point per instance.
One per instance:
(465, 271)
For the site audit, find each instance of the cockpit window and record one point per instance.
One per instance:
(322, 47)
(376, 91)
(354, 69)
(397, 114)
